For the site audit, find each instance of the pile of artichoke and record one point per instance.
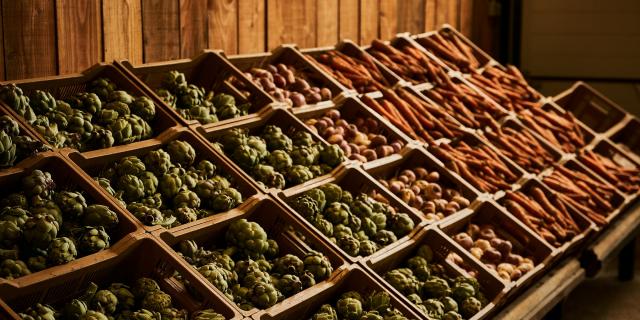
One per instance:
(426, 284)
(278, 160)
(250, 271)
(360, 226)
(352, 305)
(195, 103)
(167, 187)
(142, 300)
(99, 118)
(13, 146)
(41, 227)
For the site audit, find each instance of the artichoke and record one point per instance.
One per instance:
(121, 96)
(305, 156)
(170, 185)
(158, 161)
(349, 308)
(122, 131)
(10, 233)
(326, 312)
(367, 247)
(104, 301)
(318, 265)
(14, 214)
(186, 198)
(249, 237)
(289, 285)
(298, 174)
(306, 206)
(384, 237)
(337, 213)
(15, 98)
(144, 107)
(332, 155)
(402, 280)
(149, 182)
(97, 215)
(263, 295)
(275, 139)
(288, 264)
(349, 244)
(156, 301)
(216, 275)
(207, 314)
(13, 269)
(181, 152)
(280, 160)
(38, 183)
(332, 192)
(72, 204)
(401, 224)
(245, 156)
(62, 250)
(186, 214)
(39, 312)
(434, 287)
(40, 230)
(470, 306)
(143, 286)
(7, 150)
(93, 239)
(302, 139)
(75, 309)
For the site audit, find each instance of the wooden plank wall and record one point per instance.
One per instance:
(48, 37)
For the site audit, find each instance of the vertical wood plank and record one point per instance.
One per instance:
(291, 22)
(122, 30)
(369, 21)
(79, 34)
(223, 25)
(2, 73)
(388, 19)
(466, 17)
(160, 30)
(251, 26)
(411, 15)
(327, 28)
(29, 38)
(193, 27)
(453, 13)
(349, 20)
(430, 15)
(442, 12)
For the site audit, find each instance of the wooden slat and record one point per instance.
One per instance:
(193, 27)
(1, 51)
(442, 12)
(79, 34)
(251, 26)
(388, 19)
(122, 30)
(452, 13)
(411, 14)
(466, 17)
(369, 23)
(327, 28)
(161, 30)
(223, 25)
(29, 38)
(291, 22)
(349, 20)
(430, 15)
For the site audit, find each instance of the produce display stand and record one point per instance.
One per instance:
(602, 127)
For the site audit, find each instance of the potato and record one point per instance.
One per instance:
(477, 252)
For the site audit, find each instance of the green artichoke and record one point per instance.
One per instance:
(72, 204)
(40, 230)
(349, 308)
(9, 126)
(216, 275)
(401, 224)
(75, 309)
(13, 269)
(104, 301)
(245, 156)
(38, 183)
(143, 286)
(249, 237)
(97, 215)
(298, 174)
(158, 161)
(306, 206)
(93, 239)
(318, 265)
(170, 185)
(263, 295)
(337, 213)
(181, 152)
(269, 176)
(156, 301)
(10, 233)
(40, 312)
(122, 131)
(207, 314)
(62, 250)
(332, 155)
(402, 280)
(103, 87)
(288, 264)
(349, 244)
(144, 107)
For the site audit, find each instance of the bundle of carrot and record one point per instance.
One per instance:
(479, 165)
(507, 87)
(521, 147)
(408, 62)
(358, 73)
(561, 130)
(546, 215)
(416, 117)
(452, 50)
(589, 196)
(624, 177)
(469, 107)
